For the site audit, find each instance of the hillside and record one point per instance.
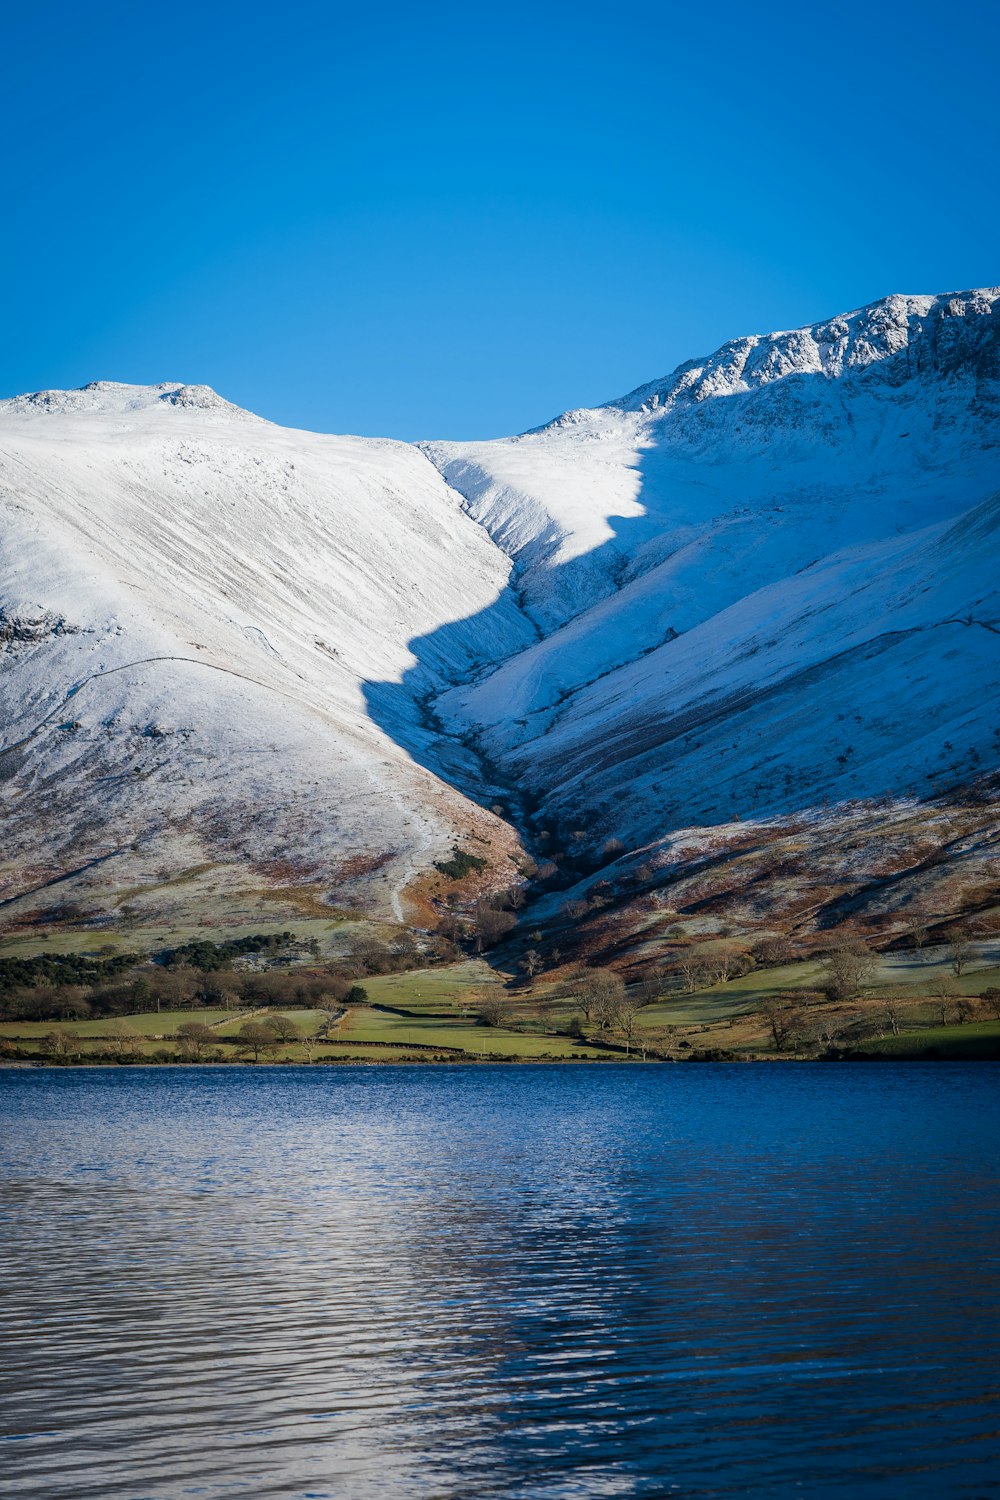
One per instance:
(766, 582)
(241, 660)
(191, 601)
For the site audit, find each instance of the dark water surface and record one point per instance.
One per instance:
(501, 1281)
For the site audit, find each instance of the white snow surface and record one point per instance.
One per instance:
(762, 582)
(193, 600)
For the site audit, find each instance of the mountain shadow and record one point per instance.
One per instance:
(788, 620)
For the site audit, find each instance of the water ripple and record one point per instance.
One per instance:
(532, 1283)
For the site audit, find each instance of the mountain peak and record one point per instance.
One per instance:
(115, 398)
(943, 333)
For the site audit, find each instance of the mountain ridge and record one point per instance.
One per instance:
(719, 595)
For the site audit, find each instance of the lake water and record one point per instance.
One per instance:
(455, 1283)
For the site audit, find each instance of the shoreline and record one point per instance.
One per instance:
(22, 1064)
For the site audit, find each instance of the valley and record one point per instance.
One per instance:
(716, 663)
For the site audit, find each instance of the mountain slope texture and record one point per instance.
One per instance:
(764, 587)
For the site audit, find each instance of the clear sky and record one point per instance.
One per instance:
(459, 220)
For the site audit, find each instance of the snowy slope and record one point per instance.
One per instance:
(763, 582)
(192, 600)
(741, 571)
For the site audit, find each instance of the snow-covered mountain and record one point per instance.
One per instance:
(767, 581)
(763, 583)
(191, 600)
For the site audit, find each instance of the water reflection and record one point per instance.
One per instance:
(500, 1281)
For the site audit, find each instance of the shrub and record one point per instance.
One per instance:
(208, 956)
(461, 864)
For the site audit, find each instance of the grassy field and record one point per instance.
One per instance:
(308, 1021)
(148, 1023)
(443, 989)
(977, 1039)
(426, 1010)
(421, 1012)
(437, 1008)
(363, 1024)
(717, 1003)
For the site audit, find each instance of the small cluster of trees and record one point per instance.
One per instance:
(849, 967)
(606, 1003)
(371, 953)
(267, 1035)
(460, 864)
(119, 1040)
(210, 957)
(491, 918)
(196, 1041)
(708, 963)
(153, 989)
(56, 969)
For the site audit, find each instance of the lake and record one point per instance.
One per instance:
(519, 1281)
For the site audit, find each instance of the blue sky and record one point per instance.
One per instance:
(458, 221)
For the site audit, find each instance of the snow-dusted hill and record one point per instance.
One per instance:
(191, 600)
(765, 582)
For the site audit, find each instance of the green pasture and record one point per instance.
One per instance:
(432, 989)
(902, 975)
(976, 1039)
(147, 1023)
(308, 1021)
(368, 1025)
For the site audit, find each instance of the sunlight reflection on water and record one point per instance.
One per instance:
(527, 1282)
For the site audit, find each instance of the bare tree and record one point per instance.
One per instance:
(491, 923)
(370, 955)
(772, 951)
(600, 993)
(850, 966)
(608, 1005)
(890, 1006)
(531, 962)
(991, 999)
(494, 1010)
(730, 961)
(695, 968)
(628, 1009)
(714, 963)
(282, 1028)
(404, 947)
(649, 989)
(961, 950)
(946, 993)
(194, 1037)
(123, 1040)
(917, 934)
(669, 1036)
(782, 1021)
(256, 1038)
(60, 1045)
